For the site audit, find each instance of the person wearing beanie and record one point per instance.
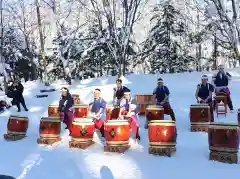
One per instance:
(97, 109)
(125, 108)
(204, 94)
(66, 104)
(220, 80)
(118, 92)
(161, 97)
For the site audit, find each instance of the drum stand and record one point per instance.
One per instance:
(116, 148)
(48, 141)
(224, 157)
(199, 128)
(161, 150)
(13, 137)
(80, 145)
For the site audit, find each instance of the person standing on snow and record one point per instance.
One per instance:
(97, 110)
(204, 94)
(66, 105)
(220, 81)
(118, 92)
(15, 91)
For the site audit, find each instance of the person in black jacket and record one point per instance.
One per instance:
(119, 92)
(15, 91)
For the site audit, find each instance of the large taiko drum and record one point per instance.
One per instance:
(17, 125)
(50, 127)
(117, 132)
(112, 112)
(154, 112)
(53, 110)
(223, 137)
(82, 129)
(162, 133)
(81, 110)
(142, 98)
(76, 98)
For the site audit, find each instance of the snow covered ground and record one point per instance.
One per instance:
(25, 159)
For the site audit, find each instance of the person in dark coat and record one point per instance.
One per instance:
(119, 92)
(204, 94)
(15, 91)
(66, 105)
(220, 81)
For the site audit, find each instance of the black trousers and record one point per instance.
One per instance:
(22, 102)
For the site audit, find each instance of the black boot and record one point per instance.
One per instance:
(137, 135)
(102, 131)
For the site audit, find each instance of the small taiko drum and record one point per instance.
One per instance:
(83, 129)
(50, 127)
(143, 98)
(81, 110)
(17, 125)
(76, 98)
(223, 139)
(200, 117)
(154, 112)
(117, 132)
(53, 110)
(162, 134)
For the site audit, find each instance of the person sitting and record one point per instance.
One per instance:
(161, 97)
(220, 81)
(204, 94)
(125, 108)
(66, 109)
(97, 109)
(118, 92)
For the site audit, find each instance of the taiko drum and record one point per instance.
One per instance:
(81, 110)
(154, 112)
(221, 96)
(76, 98)
(50, 127)
(83, 129)
(142, 107)
(17, 125)
(223, 137)
(200, 113)
(117, 132)
(112, 112)
(53, 111)
(143, 98)
(162, 133)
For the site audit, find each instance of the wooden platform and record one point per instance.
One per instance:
(80, 145)
(223, 157)
(199, 128)
(48, 141)
(13, 137)
(118, 149)
(161, 151)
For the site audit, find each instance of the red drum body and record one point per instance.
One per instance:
(223, 142)
(81, 111)
(143, 98)
(76, 98)
(200, 117)
(154, 112)
(117, 132)
(112, 112)
(50, 127)
(162, 133)
(142, 107)
(53, 111)
(83, 129)
(17, 125)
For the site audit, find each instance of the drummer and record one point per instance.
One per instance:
(204, 93)
(126, 109)
(97, 110)
(118, 92)
(161, 97)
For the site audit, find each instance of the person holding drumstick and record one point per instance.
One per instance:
(125, 108)
(97, 110)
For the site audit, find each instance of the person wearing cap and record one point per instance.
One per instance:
(161, 97)
(125, 108)
(97, 109)
(220, 81)
(204, 94)
(118, 92)
(66, 108)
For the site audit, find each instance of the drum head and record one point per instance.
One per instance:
(223, 124)
(53, 105)
(162, 121)
(154, 107)
(51, 118)
(84, 119)
(80, 105)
